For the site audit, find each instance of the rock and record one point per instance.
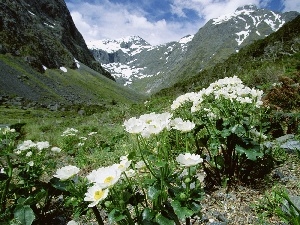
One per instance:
(81, 112)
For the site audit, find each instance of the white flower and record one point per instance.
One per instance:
(28, 154)
(80, 144)
(184, 126)
(26, 145)
(66, 172)
(124, 157)
(69, 132)
(140, 165)
(130, 173)
(55, 149)
(31, 163)
(7, 130)
(92, 133)
(105, 176)
(95, 194)
(18, 152)
(189, 159)
(2, 170)
(42, 145)
(72, 222)
(123, 165)
(134, 125)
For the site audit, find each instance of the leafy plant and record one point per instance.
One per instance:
(25, 193)
(228, 132)
(278, 202)
(146, 186)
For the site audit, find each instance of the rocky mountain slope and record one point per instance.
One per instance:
(131, 59)
(133, 62)
(45, 60)
(43, 32)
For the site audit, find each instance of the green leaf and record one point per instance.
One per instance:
(58, 184)
(153, 193)
(115, 216)
(238, 129)
(161, 220)
(34, 198)
(250, 153)
(225, 133)
(160, 163)
(148, 214)
(181, 212)
(24, 214)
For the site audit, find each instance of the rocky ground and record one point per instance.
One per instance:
(240, 205)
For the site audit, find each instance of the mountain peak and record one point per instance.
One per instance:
(124, 44)
(247, 11)
(247, 8)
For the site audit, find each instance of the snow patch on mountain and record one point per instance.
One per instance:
(242, 36)
(134, 48)
(240, 11)
(131, 45)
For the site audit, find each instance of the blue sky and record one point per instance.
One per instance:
(156, 21)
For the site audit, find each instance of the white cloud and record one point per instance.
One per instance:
(112, 21)
(291, 5)
(107, 20)
(208, 9)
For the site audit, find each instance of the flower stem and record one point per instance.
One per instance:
(98, 216)
(7, 183)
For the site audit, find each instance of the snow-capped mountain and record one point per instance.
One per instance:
(135, 63)
(253, 21)
(132, 58)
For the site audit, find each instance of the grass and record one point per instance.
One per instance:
(46, 125)
(80, 86)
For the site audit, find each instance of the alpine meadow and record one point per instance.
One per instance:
(200, 131)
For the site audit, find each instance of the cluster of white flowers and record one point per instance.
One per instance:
(187, 97)
(230, 88)
(104, 178)
(28, 144)
(101, 179)
(148, 124)
(6, 130)
(153, 123)
(69, 132)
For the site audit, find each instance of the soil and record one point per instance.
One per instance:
(237, 206)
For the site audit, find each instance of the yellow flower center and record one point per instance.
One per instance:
(98, 194)
(108, 179)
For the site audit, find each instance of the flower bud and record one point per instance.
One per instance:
(107, 203)
(182, 196)
(187, 180)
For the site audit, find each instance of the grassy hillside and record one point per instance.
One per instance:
(76, 86)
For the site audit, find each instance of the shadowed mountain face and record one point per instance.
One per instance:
(45, 61)
(43, 32)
